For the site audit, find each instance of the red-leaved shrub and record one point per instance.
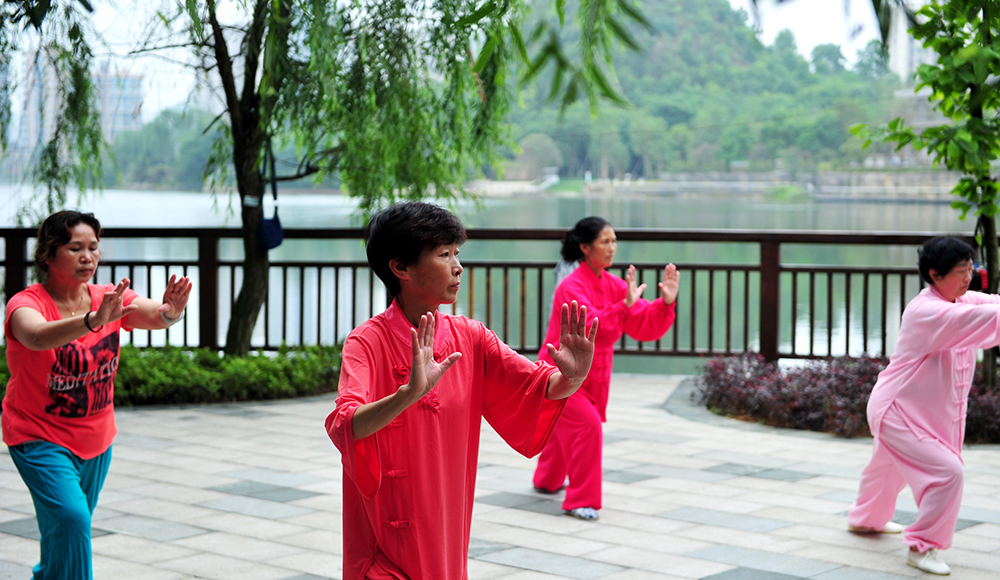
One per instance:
(825, 395)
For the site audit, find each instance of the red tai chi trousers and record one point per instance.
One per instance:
(574, 450)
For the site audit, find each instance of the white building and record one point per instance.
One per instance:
(905, 53)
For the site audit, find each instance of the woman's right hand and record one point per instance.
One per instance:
(425, 372)
(112, 306)
(632, 293)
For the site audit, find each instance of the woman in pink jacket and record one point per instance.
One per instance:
(917, 408)
(574, 449)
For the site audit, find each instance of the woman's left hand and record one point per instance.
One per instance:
(175, 297)
(576, 346)
(633, 293)
(671, 284)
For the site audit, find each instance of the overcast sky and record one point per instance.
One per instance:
(851, 24)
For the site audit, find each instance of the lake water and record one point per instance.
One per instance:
(189, 209)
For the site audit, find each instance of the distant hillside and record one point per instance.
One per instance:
(707, 95)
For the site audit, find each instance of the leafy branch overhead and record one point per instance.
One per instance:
(73, 152)
(402, 99)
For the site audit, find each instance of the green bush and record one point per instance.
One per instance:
(174, 375)
(4, 371)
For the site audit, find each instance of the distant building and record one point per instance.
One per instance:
(905, 53)
(120, 101)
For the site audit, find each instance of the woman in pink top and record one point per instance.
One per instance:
(917, 408)
(415, 385)
(58, 413)
(574, 449)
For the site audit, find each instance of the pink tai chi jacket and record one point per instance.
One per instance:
(408, 488)
(930, 373)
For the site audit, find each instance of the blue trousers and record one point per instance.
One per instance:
(64, 489)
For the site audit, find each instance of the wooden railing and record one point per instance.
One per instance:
(780, 310)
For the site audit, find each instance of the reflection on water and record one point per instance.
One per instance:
(117, 208)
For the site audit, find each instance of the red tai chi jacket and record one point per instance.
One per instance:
(408, 488)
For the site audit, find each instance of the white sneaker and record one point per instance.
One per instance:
(889, 528)
(584, 513)
(928, 562)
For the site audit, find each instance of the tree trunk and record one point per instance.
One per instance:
(988, 227)
(249, 301)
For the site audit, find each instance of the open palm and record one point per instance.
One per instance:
(576, 347)
(425, 372)
(671, 284)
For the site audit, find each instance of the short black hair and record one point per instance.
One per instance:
(941, 254)
(403, 231)
(55, 232)
(584, 232)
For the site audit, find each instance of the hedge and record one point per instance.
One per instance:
(175, 375)
(827, 395)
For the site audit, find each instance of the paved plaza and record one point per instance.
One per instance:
(253, 491)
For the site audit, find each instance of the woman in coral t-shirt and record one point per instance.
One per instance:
(58, 413)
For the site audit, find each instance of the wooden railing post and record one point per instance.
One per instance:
(770, 257)
(208, 290)
(15, 262)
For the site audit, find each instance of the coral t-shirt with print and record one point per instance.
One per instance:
(64, 395)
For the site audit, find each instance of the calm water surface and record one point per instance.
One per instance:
(189, 209)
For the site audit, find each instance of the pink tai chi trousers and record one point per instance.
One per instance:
(574, 449)
(901, 457)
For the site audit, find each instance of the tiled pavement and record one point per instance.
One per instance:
(252, 491)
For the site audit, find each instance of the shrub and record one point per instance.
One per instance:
(829, 395)
(173, 375)
(826, 395)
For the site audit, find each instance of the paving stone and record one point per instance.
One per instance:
(143, 442)
(783, 475)
(10, 570)
(673, 486)
(150, 528)
(479, 547)
(565, 566)
(260, 508)
(274, 477)
(266, 491)
(724, 519)
(750, 574)
(852, 573)
(621, 476)
(768, 561)
(28, 528)
(629, 435)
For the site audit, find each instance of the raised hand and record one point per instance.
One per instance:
(633, 293)
(671, 284)
(576, 346)
(175, 297)
(425, 372)
(112, 306)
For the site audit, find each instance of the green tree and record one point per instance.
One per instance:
(827, 59)
(964, 34)
(397, 98)
(735, 143)
(871, 62)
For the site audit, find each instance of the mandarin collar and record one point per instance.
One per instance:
(588, 273)
(400, 327)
